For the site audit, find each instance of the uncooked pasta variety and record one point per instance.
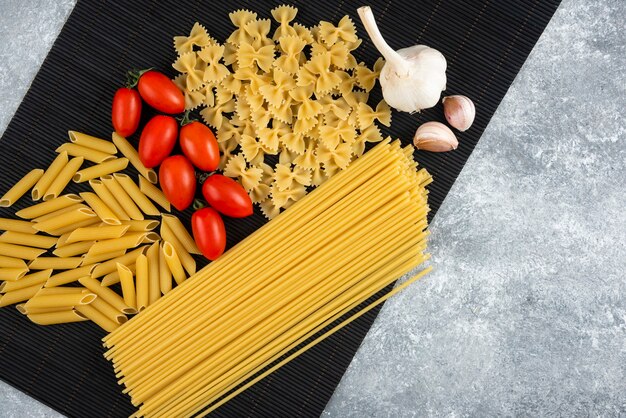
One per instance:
(296, 93)
(267, 299)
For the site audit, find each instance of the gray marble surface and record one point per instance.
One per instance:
(525, 313)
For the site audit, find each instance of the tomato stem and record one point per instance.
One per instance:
(203, 176)
(199, 204)
(133, 76)
(185, 120)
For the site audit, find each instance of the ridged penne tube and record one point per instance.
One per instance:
(101, 209)
(92, 142)
(20, 188)
(58, 317)
(109, 311)
(136, 194)
(82, 224)
(173, 262)
(51, 205)
(128, 285)
(17, 225)
(26, 281)
(107, 294)
(60, 300)
(99, 170)
(69, 276)
(11, 262)
(46, 291)
(154, 286)
(30, 240)
(133, 157)
(114, 277)
(63, 178)
(88, 154)
(98, 317)
(20, 251)
(51, 173)
(56, 263)
(19, 295)
(59, 212)
(96, 233)
(71, 250)
(183, 235)
(109, 200)
(165, 275)
(141, 226)
(21, 308)
(154, 193)
(142, 283)
(98, 258)
(12, 274)
(189, 264)
(122, 197)
(110, 266)
(130, 240)
(66, 219)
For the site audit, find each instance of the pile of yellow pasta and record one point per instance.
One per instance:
(292, 278)
(297, 92)
(100, 237)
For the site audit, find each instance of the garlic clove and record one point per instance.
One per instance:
(435, 137)
(459, 112)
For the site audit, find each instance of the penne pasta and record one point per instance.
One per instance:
(92, 142)
(136, 194)
(63, 178)
(142, 283)
(106, 294)
(69, 276)
(99, 170)
(60, 291)
(70, 218)
(20, 251)
(30, 240)
(109, 311)
(12, 274)
(165, 275)
(133, 157)
(20, 188)
(154, 285)
(101, 209)
(154, 193)
(50, 206)
(109, 200)
(122, 197)
(114, 277)
(183, 255)
(58, 317)
(128, 285)
(11, 262)
(97, 233)
(17, 226)
(26, 281)
(98, 317)
(139, 226)
(183, 235)
(97, 258)
(88, 154)
(22, 309)
(71, 250)
(56, 263)
(127, 241)
(51, 173)
(69, 228)
(19, 295)
(173, 262)
(60, 300)
(59, 212)
(110, 266)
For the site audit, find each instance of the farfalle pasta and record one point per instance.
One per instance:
(288, 102)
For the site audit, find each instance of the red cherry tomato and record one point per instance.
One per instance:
(200, 146)
(227, 196)
(157, 140)
(209, 232)
(126, 111)
(161, 93)
(178, 181)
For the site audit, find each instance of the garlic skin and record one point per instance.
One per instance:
(412, 78)
(435, 137)
(459, 111)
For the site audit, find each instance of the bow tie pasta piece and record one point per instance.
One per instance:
(338, 53)
(308, 159)
(345, 31)
(365, 77)
(215, 71)
(269, 209)
(282, 198)
(371, 134)
(258, 30)
(284, 15)
(240, 18)
(294, 142)
(283, 113)
(286, 157)
(227, 131)
(251, 149)
(250, 177)
(366, 115)
(269, 139)
(338, 157)
(215, 115)
(197, 37)
(285, 176)
(193, 99)
(263, 57)
(318, 176)
(291, 47)
(186, 64)
(232, 84)
(320, 66)
(303, 33)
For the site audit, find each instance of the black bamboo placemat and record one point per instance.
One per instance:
(485, 42)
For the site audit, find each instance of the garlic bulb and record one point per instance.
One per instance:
(435, 137)
(459, 112)
(412, 78)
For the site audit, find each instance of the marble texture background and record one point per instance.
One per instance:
(525, 314)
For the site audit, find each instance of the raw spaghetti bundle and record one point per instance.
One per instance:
(209, 339)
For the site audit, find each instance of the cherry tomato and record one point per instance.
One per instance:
(157, 140)
(126, 111)
(209, 232)
(161, 93)
(178, 181)
(227, 196)
(200, 146)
